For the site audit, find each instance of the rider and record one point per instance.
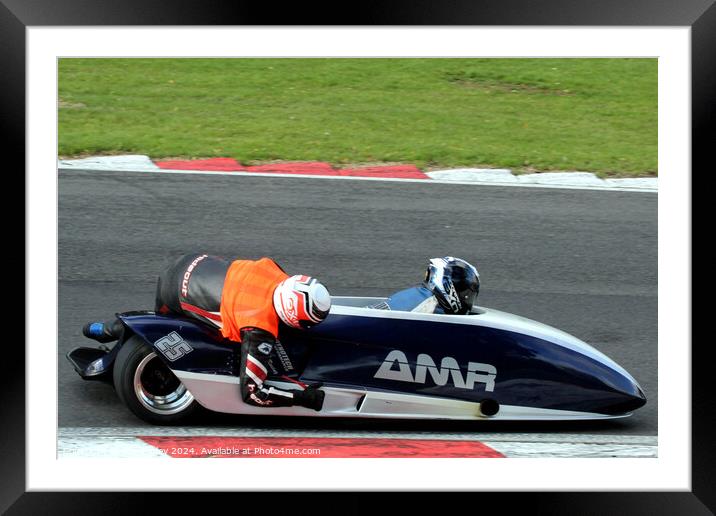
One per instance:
(246, 299)
(450, 286)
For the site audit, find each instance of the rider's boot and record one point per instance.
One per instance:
(106, 331)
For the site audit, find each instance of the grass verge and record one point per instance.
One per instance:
(596, 115)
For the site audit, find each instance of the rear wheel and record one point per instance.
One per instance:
(148, 387)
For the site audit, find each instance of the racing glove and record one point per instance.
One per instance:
(311, 397)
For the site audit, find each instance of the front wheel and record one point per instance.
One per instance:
(148, 387)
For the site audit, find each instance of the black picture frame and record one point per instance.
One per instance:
(17, 15)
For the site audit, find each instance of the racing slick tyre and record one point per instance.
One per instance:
(148, 387)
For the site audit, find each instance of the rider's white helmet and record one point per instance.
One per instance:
(301, 301)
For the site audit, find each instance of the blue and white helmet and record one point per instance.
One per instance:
(454, 283)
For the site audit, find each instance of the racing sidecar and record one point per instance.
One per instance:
(372, 363)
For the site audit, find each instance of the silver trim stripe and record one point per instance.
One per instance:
(340, 402)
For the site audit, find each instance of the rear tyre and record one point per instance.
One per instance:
(148, 387)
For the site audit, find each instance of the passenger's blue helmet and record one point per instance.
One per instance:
(454, 283)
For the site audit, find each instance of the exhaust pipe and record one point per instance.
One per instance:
(489, 407)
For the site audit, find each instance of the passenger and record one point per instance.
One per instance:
(450, 286)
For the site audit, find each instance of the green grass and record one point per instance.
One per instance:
(527, 114)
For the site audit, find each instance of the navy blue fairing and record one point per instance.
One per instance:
(349, 350)
(210, 352)
(531, 372)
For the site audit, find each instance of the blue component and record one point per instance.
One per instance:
(96, 329)
(349, 350)
(211, 352)
(406, 300)
(531, 372)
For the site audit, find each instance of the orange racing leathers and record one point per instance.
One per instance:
(237, 298)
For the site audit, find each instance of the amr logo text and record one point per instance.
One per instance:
(476, 372)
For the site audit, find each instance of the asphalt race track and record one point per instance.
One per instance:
(582, 261)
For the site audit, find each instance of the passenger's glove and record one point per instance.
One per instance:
(311, 397)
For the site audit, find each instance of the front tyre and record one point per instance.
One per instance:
(148, 387)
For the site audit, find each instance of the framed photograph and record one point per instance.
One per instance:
(352, 153)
